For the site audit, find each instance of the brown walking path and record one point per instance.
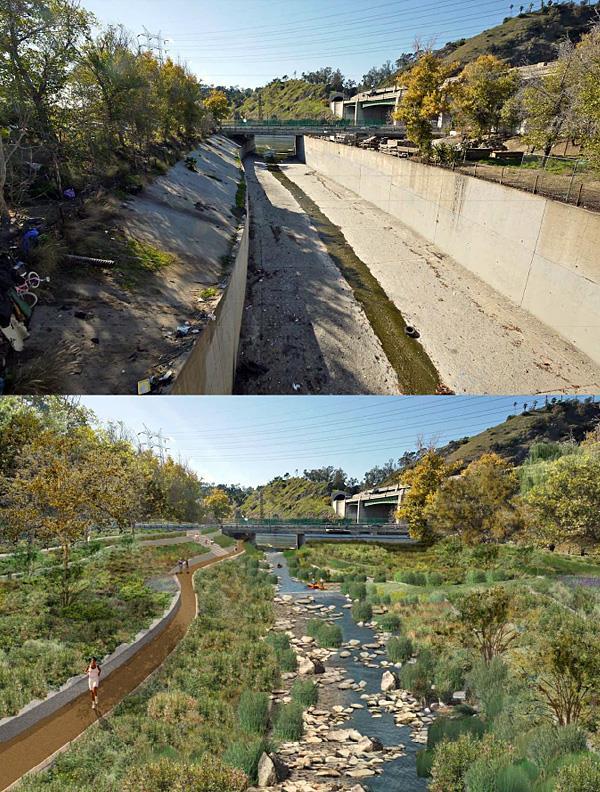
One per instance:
(29, 749)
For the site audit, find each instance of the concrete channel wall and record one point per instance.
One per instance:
(541, 254)
(36, 711)
(210, 366)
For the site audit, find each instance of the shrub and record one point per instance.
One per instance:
(253, 712)
(288, 724)
(416, 678)
(287, 660)
(445, 728)
(399, 649)
(286, 657)
(488, 681)
(362, 611)
(357, 591)
(386, 599)
(420, 579)
(173, 707)
(496, 575)
(437, 596)
(513, 779)
(451, 761)
(434, 579)
(391, 622)
(449, 675)
(325, 633)
(305, 692)
(167, 775)
(583, 776)
(476, 576)
(246, 756)
(548, 742)
(380, 577)
(424, 761)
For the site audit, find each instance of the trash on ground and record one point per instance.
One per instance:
(87, 260)
(411, 331)
(143, 387)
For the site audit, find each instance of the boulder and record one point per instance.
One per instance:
(310, 665)
(389, 681)
(368, 745)
(344, 735)
(271, 770)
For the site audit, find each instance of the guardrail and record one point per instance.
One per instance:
(337, 123)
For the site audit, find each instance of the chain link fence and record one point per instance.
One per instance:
(561, 178)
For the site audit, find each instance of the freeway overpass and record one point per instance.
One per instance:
(294, 533)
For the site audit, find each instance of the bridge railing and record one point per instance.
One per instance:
(338, 123)
(304, 522)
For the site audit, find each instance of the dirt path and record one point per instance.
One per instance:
(303, 330)
(31, 748)
(478, 340)
(107, 329)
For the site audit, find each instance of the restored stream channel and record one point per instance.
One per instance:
(399, 773)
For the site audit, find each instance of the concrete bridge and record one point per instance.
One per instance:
(245, 133)
(272, 533)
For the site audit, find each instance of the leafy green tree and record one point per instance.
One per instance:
(586, 107)
(481, 92)
(479, 504)
(485, 621)
(424, 480)
(40, 40)
(424, 99)
(566, 504)
(564, 666)
(547, 105)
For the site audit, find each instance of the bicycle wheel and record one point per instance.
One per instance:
(33, 280)
(29, 297)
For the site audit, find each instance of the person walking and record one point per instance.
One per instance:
(187, 566)
(93, 674)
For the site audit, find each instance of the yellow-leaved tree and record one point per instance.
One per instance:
(217, 105)
(481, 95)
(218, 503)
(424, 480)
(64, 485)
(424, 99)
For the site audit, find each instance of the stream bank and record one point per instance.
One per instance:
(358, 736)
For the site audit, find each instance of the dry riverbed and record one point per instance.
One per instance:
(303, 331)
(479, 341)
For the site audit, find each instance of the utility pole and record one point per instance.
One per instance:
(260, 112)
(260, 506)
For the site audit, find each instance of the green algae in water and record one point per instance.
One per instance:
(415, 371)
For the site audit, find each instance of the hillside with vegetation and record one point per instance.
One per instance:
(287, 99)
(292, 497)
(526, 38)
(512, 439)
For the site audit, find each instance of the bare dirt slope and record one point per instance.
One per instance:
(479, 341)
(117, 326)
(303, 330)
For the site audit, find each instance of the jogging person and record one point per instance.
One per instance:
(93, 673)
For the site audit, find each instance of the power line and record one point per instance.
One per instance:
(385, 417)
(323, 35)
(329, 52)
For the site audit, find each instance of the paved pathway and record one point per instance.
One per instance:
(33, 747)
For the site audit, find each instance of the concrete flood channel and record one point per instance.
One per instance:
(398, 773)
(316, 320)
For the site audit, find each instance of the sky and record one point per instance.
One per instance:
(248, 42)
(250, 440)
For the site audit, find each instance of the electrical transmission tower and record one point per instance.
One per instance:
(155, 440)
(154, 43)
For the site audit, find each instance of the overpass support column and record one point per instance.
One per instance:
(300, 540)
(300, 153)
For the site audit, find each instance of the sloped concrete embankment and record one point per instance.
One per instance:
(539, 253)
(211, 364)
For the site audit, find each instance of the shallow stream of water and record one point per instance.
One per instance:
(398, 775)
